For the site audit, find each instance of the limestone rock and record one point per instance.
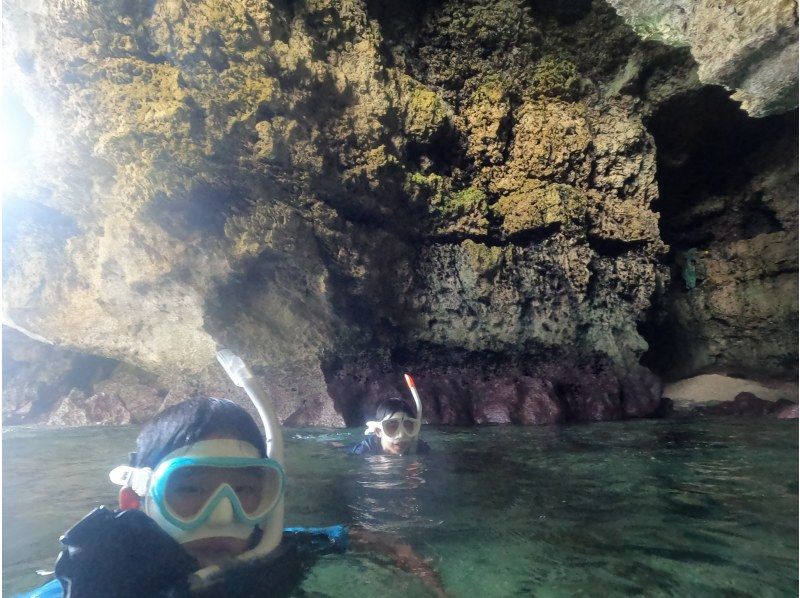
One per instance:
(331, 188)
(747, 46)
(699, 392)
(729, 212)
(748, 404)
(37, 376)
(489, 390)
(741, 315)
(78, 410)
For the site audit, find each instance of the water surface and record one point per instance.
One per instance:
(664, 508)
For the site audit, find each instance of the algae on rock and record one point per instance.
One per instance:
(465, 189)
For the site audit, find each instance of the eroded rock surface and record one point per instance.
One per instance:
(749, 46)
(749, 405)
(729, 213)
(339, 191)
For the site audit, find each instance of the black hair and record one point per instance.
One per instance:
(393, 405)
(189, 422)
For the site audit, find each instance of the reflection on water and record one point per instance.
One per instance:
(386, 497)
(679, 508)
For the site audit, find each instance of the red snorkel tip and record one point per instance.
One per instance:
(409, 381)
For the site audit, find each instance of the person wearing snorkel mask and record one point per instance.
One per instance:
(395, 430)
(202, 496)
(201, 513)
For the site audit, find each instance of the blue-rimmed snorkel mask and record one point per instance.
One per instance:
(191, 491)
(211, 470)
(211, 488)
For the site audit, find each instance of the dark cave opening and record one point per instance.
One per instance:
(707, 151)
(716, 173)
(31, 391)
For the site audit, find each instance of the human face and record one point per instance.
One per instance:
(393, 441)
(198, 488)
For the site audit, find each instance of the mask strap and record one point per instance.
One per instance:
(135, 478)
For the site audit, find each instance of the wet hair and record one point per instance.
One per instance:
(393, 405)
(191, 421)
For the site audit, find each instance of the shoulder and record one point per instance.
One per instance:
(111, 549)
(423, 447)
(52, 589)
(371, 444)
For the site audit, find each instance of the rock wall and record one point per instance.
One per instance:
(729, 213)
(750, 47)
(340, 191)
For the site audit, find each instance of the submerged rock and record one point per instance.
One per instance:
(747, 404)
(787, 412)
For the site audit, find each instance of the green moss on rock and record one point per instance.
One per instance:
(483, 259)
(486, 117)
(463, 202)
(426, 113)
(541, 206)
(555, 77)
(464, 211)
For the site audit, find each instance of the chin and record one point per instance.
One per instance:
(214, 551)
(400, 449)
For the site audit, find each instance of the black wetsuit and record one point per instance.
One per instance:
(126, 555)
(371, 445)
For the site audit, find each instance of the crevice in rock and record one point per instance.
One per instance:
(708, 149)
(614, 247)
(36, 376)
(727, 194)
(203, 210)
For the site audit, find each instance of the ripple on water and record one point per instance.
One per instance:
(651, 507)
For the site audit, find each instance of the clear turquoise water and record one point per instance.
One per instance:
(662, 508)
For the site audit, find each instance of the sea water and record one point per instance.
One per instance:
(660, 507)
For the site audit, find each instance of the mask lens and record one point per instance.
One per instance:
(391, 426)
(256, 487)
(188, 489)
(408, 426)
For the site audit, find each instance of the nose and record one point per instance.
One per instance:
(222, 513)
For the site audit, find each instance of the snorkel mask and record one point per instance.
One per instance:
(400, 427)
(211, 488)
(218, 487)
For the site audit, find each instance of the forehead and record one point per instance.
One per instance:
(226, 434)
(397, 415)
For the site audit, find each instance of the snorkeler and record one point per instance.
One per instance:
(202, 513)
(396, 427)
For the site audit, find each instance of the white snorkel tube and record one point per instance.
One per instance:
(272, 527)
(242, 377)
